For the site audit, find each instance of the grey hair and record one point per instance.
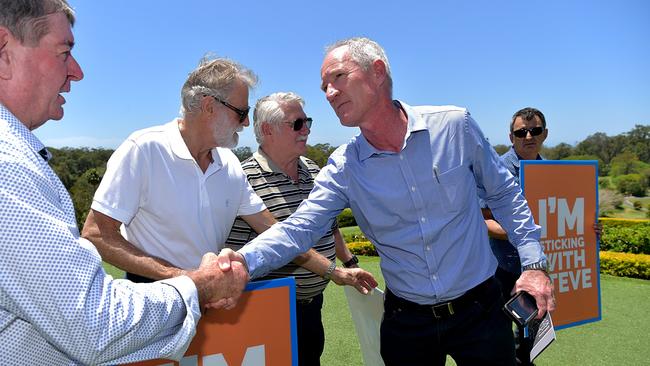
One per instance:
(215, 77)
(364, 52)
(26, 19)
(269, 109)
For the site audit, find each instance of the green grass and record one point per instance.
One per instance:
(627, 211)
(620, 338)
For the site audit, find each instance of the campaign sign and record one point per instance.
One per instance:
(563, 197)
(260, 330)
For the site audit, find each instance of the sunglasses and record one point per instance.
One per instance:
(297, 124)
(523, 132)
(242, 113)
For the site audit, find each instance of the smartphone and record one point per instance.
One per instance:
(522, 308)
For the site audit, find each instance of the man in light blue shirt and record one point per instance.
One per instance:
(57, 305)
(410, 178)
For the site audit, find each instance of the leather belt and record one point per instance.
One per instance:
(482, 293)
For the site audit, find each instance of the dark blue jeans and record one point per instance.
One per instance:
(478, 334)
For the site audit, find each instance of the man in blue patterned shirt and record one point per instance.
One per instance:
(57, 305)
(411, 179)
(527, 133)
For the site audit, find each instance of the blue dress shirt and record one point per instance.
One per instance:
(57, 305)
(506, 253)
(419, 207)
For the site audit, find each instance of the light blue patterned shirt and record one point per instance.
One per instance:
(419, 207)
(57, 305)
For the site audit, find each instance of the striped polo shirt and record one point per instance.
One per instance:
(282, 197)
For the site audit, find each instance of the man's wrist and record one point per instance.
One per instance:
(351, 262)
(330, 269)
(537, 266)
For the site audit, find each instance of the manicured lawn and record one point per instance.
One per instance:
(620, 338)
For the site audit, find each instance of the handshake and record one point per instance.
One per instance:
(220, 280)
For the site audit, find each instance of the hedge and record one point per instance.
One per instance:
(625, 264)
(346, 218)
(626, 236)
(612, 263)
(363, 248)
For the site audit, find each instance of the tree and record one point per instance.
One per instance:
(82, 193)
(319, 153)
(242, 153)
(601, 145)
(626, 163)
(558, 152)
(501, 149)
(638, 142)
(632, 184)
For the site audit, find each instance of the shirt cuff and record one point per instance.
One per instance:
(188, 292)
(531, 253)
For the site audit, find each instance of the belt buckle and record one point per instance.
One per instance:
(445, 309)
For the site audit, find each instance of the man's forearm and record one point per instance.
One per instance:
(104, 233)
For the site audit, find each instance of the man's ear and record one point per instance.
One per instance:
(5, 60)
(267, 129)
(206, 104)
(379, 71)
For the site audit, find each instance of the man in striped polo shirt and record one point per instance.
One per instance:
(283, 178)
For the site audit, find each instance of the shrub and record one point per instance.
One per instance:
(609, 201)
(363, 248)
(637, 205)
(615, 222)
(604, 182)
(346, 218)
(626, 236)
(625, 265)
(632, 184)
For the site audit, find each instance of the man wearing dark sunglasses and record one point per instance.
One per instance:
(527, 133)
(177, 188)
(281, 175)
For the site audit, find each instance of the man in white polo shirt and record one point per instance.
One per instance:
(177, 187)
(171, 193)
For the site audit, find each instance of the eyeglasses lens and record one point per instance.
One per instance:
(297, 124)
(523, 132)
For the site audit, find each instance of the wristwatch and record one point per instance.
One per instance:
(354, 260)
(539, 266)
(328, 274)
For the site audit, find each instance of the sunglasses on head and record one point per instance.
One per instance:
(242, 113)
(523, 132)
(297, 124)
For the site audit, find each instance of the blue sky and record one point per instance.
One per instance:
(585, 64)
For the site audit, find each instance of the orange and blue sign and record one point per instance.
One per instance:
(260, 330)
(563, 197)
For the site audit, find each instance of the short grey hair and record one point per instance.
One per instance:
(364, 51)
(215, 77)
(26, 19)
(269, 109)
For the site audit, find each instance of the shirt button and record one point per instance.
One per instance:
(423, 219)
(401, 157)
(412, 188)
(434, 277)
(428, 247)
